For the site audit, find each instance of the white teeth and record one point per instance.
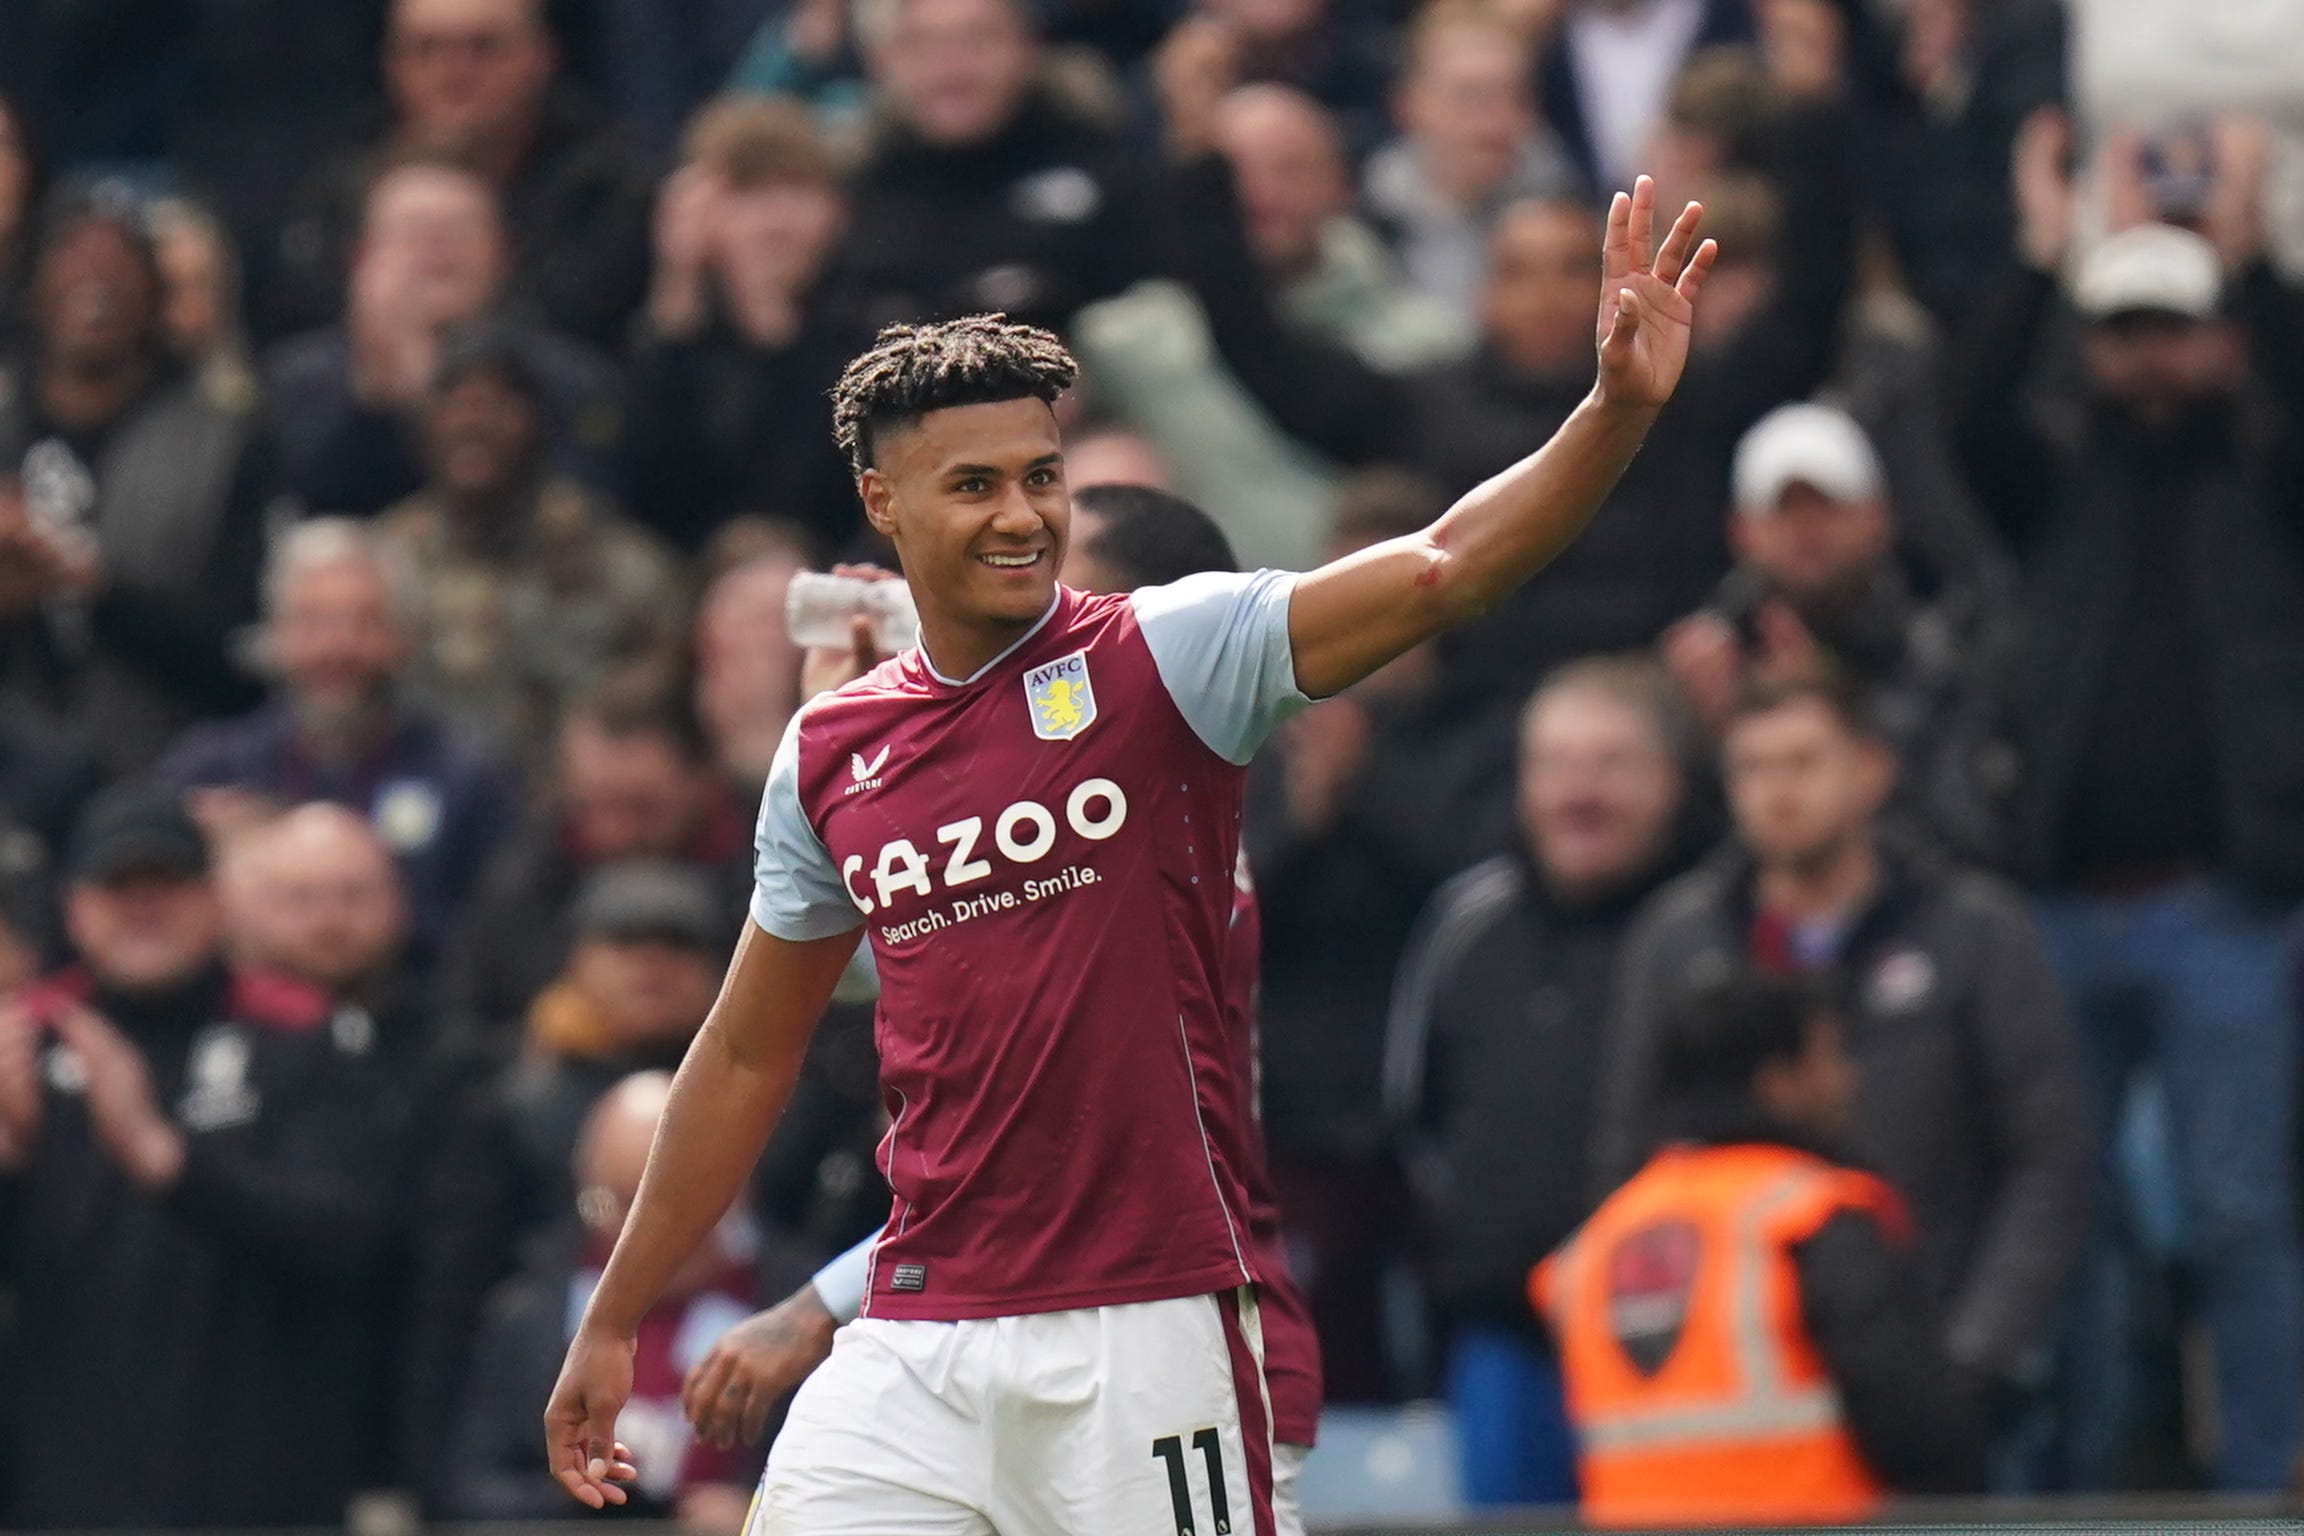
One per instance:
(1009, 562)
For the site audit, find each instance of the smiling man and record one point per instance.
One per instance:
(1059, 1332)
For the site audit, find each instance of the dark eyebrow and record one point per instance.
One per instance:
(1045, 460)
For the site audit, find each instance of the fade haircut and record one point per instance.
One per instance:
(1150, 538)
(914, 369)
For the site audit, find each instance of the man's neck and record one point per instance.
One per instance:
(84, 397)
(957, 650)
(1832, 886)
(491, 522)
(500, 154)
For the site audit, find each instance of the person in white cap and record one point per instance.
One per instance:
(1818, 583)
(2157, 518)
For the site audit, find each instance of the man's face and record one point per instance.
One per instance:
(778, 235)
(1543, 292)
(628, 797)
(1597, 793)
(1289, 171)
(335, 639)
(1801, 785)
(335, 914)
(437, 230)
(1466, 107)
(645, 992)
(1271, 23)
(483, 435)
(469, 71)
(955, 71)
(190, 310)
(975, 500)
(2157, 367)
(1812, 548)
(95, 299)
(144, 930)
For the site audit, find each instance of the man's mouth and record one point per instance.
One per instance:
(1012, 562)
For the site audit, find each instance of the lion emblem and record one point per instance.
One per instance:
(1063, 700)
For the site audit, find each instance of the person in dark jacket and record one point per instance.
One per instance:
(2157, 519)
(132, 503)
(196, 1175)
(1746, 1337)
(338, 635)
(515, 1360)
(740, 341)
(1494, 1047)
(431, 264)
(1820, 579)
(1970, 1098)
(635, 780)
(1034, 210)
(480, 78)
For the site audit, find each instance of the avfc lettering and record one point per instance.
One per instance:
(1024, 833)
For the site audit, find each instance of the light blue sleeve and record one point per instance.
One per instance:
(796, 893)
(840, 1284)
(1220, 640)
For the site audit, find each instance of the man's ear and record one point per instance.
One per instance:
(878, 494)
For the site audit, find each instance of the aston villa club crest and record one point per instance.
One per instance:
(1063, 700)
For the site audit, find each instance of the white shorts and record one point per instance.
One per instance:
(1141, 1420)
(1287, 1506)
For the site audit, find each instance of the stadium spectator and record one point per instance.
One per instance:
(480, 79)
(44, 782)
(341, 623)
(1348, 831)
(1036, 209)
(747, 668)
(740, 341)
(1970, 1099)
(646, 943)
(1942, 89)
(195, 1195)
(1155, 367)
(314, 893)
(1493, 1055)
(1744, 1335)
(432, 260)
(200, 309)
(1638, 47)
(21, 190)
(2154, 520)
(531, 584)
(131, 503)
(660, 58)
(1333, 51)
(1780, 282)
(635, 780)
(1470, 145)
(525, 1332)
(1818, 582)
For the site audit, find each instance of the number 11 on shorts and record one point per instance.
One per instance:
(1170, 1449)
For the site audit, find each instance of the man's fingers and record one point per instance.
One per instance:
(1672, 260)
(580, 1487)
(1616, 249)
(1692, 281)
(698, 1392)
(756, 1408)
(1626, 323)
(1643, 229)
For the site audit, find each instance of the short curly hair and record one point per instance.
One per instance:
(914, 369)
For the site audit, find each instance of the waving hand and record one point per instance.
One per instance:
(1647, 298)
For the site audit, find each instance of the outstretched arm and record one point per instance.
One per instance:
(1349, 618)
(725, 1098)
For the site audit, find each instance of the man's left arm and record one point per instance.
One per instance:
(1349, 618)
(2036, 1121)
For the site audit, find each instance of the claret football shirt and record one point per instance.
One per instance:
(1042, 857)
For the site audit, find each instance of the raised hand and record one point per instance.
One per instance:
(1648, 298)
(2041, 182)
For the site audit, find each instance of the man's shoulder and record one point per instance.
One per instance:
(1476, 897)
(1689, 904)
(234, 751)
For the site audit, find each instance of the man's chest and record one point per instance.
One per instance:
(1073, 776)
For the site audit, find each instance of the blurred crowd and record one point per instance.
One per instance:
(413, 411)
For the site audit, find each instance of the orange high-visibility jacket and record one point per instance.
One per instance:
(1695, 1391)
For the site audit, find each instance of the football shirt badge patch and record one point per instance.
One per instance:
(1063, 700)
